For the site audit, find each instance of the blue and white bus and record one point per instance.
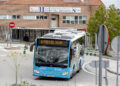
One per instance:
(59, 54)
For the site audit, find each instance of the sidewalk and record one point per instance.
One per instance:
(111, 70)
(16, 46)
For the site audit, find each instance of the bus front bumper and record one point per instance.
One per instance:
(52, 72)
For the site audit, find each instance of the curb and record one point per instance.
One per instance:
(12, 48)
(112, 72)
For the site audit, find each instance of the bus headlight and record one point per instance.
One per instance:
(36, 71)
(64, 73)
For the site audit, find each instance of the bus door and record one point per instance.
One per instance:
(74, 57)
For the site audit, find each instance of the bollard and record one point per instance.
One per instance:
(86, 53)
(91, 54)
(95, 54)
(24, 52)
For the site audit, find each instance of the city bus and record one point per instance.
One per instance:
(59, 54)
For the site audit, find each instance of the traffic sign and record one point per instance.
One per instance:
(116, 44)
(103, 41)
(95, 64)
(103, 38)
(116, 48)
(11, 24)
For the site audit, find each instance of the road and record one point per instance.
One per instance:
(7, 72)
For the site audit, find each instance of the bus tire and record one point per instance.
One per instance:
(79, 67)
(71, 76)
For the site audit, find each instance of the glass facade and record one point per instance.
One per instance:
(31, 33)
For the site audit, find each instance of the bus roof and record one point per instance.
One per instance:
(65, 34)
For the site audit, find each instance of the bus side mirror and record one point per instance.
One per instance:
(31, 46)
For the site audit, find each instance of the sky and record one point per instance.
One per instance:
(109, 2)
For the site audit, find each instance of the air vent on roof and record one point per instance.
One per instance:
(57, 36)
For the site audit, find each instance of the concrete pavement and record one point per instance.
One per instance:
(86, 66)
(7, 72)
(17, 46)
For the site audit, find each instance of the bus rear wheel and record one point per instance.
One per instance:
(79, 67)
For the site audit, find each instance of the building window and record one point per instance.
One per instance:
(64, 22)
(64, 17)
(74, 19)
(41, 17)
(34, 17)
(29, 17)
(80, 17)
(37, 17)
(45, 17)
(9, 16)
(15, 16)
(3, 16)
(84, 22)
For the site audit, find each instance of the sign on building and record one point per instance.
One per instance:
(95, 64)
(56, 9)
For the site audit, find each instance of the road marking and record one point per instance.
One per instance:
(5, 50)
(2, 49)
(84, 68)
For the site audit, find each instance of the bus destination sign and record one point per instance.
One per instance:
(53, 42)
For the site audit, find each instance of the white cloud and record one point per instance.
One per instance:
(109, 2)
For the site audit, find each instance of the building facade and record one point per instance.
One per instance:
(35, 17)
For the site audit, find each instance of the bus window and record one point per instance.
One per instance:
(81, 41)
(73, 52)
(55, 56)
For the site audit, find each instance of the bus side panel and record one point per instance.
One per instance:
(82, 59)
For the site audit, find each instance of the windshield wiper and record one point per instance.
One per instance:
(40, 59)
(63, 61)
(43, 64)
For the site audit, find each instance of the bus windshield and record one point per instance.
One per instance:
(52, 56)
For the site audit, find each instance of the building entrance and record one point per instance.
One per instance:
(54, 21)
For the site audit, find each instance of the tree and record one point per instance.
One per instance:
(109, 17)
(111, 21)
(95, 21)
(117, 26)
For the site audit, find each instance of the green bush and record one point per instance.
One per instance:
(23, 83)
